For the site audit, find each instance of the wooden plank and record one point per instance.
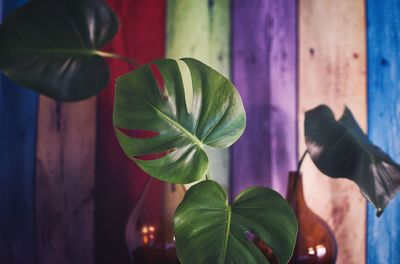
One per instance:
(65, 181)
(18, 112)
(332, 67)
(201, 29)
(264, 71)
(383, 40)
(119, 182)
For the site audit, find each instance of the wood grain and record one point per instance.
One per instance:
(264, 71)
(383, 37)
(332, 65)
(119, 182)
(18, 113)
(201, 29)
(65, 181)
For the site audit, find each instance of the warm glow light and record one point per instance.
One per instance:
(321, 250)
(152, 228)
(145, 230)
(151, 236)
(145, 239)
(173, 238)
(311, 251)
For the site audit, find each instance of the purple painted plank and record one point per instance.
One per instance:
(264, 71)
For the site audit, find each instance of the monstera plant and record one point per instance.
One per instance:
(187, 106)
(206, 109)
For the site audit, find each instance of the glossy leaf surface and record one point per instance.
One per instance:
(208, 230)
(197, 107)
(340, 149)
(51, 46)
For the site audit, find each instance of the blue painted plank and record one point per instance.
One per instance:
(383, 36)
(18, 109)
(264, 71)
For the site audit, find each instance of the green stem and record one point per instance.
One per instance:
(105, 54)
(301, 161)
(74, 52)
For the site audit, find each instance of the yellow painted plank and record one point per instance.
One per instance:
(332, 70)
(65, 181)
(201, 29)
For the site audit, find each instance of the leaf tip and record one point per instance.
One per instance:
(379, 211)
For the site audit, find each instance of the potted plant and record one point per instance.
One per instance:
(187, 105)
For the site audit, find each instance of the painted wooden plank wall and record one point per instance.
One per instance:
(383, 242)
(332, 70)
(201, 29)
(264, 71)
(65, 160)
(119, 181)
(18, 110)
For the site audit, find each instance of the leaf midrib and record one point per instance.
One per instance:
(177, 125)
(228, 227)
(83, 51)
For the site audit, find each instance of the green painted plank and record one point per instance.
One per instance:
(201, 29)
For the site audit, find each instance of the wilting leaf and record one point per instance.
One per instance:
(212, 114)
(208, 230)
(51, 46)
(341, 150)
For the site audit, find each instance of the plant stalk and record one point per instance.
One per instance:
(105, 54)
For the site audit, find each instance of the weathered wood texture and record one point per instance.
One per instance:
(264, 71)
(119, 182)
(18, 110)
(383, 43)
(201, 29)
(332, 69)
(65, 158)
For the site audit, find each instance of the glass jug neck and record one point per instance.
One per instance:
(295, 194)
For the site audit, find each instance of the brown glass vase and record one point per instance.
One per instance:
(149, 232)
(315, 240)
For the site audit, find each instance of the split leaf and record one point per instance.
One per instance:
(208, 230)
(340, 149)
(51, 46)
(197, 107)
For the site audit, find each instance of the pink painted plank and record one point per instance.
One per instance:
(65, 159)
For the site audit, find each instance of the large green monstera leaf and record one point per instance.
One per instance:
(341, 149)
(51, 46)
(208, 230)
(192, 106)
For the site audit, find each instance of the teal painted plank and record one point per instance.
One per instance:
(383, 36)
(18, 108)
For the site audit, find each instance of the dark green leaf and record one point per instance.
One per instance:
(341, 150)
(51, 46)
(208, 230)
(213, 116)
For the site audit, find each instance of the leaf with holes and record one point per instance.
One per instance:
(208, 230)
(341, 150)
(51, 46)
(197, 107)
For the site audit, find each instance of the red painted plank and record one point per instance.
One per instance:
(118, 181)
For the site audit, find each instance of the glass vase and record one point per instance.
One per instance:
(316, 242)
(149, 232)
